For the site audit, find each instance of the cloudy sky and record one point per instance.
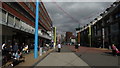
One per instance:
(66, 16)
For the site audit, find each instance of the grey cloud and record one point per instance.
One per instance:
(84, 12)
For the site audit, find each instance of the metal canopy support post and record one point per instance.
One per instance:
(54, 37)
(103, 35)
(36, 30)
(90, 35)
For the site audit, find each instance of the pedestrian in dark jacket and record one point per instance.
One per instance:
(76, 47)
(15, 47)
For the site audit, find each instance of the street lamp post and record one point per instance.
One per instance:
(36, 30)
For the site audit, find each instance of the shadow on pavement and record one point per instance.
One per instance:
(109, 54)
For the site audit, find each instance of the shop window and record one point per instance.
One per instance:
(20, 24)
(23, 25)
(98, 25)
(31, 8)
(95, 30)
(10, 19)
(114, 28)
(17, 21)
(106, 31)
(3, 16)
(29, 5)
(9, 3)
(116, 16)
(99, 33)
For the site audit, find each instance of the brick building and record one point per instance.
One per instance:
(18, 22)
(68, 36)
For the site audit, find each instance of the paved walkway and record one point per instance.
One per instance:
(86, 57)
(62, 59)
(65, 58)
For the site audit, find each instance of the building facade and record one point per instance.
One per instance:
(68, 37)
(104, 30)
(18, 22)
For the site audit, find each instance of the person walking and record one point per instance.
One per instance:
(59, 47)
(76, 47)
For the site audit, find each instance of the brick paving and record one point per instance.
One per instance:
(89, 49)
(96, 56)
(30, 61)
